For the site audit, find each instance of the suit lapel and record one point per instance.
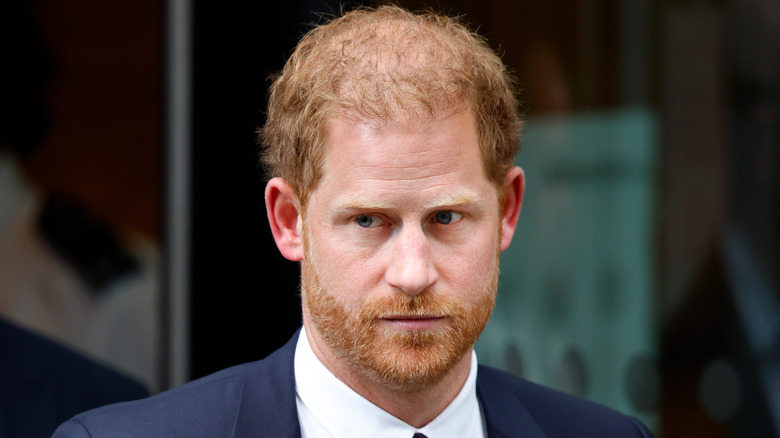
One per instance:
(268, 406)
(505, 415)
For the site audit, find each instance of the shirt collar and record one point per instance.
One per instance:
(326, 402)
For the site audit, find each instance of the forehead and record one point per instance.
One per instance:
(403, 157)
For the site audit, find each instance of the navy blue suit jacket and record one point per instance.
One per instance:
(258, 400)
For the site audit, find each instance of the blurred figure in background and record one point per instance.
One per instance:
(66, 270)
(64, 276)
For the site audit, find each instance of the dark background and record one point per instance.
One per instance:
(245, 299)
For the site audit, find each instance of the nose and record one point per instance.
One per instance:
(411, 268)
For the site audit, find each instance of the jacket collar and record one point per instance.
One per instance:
(505, 415)
(268, 406)
(274, 380)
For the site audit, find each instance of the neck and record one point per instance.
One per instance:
(417, 408)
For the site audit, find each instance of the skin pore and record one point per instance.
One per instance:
(399, 246)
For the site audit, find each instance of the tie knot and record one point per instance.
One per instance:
(419, 435)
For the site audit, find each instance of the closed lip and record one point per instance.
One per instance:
(411, 317)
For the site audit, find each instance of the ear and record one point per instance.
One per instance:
(284, 216)
(514, 186)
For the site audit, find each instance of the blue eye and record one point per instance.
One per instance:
(447, 217)
(365, 221)
(444, 217)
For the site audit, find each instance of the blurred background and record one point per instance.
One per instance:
(644, 274)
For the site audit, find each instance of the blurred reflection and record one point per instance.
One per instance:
(752, 239)
(79, 180)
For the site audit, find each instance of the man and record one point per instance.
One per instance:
(390, 137)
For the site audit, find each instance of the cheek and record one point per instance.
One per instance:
(472, 262)
(345, 271)
(469, 276)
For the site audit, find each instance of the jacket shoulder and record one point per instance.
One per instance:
(212, 406)
(44, 383)
(200, 408)
(557, 414)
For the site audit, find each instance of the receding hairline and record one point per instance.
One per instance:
(434, 65)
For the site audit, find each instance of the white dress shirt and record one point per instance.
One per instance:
(327, 408)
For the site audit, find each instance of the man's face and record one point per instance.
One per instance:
(401, 241)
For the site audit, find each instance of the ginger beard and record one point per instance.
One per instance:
(402, 360)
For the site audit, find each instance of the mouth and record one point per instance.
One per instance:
(414, 322)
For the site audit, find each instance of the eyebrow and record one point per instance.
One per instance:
(464, 197)
(362, 202)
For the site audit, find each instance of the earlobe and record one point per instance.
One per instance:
(514, 186)
(284, 217)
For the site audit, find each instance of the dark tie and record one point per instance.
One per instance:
(419, 435)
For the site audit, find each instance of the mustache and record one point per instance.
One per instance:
(427, 303)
